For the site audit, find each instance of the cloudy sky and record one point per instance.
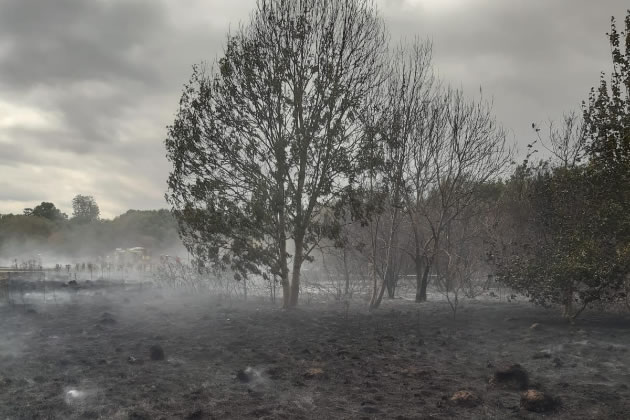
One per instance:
(87, 87)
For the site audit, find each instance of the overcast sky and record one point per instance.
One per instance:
(88, 87)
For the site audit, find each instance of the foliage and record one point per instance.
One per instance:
(563, 257)
(85, 209)
(577, 247)
(24, 228)
(271, 137)
(47, 211)
(607, 114)
(607, 119)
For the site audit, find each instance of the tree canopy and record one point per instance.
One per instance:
(47, 211)
(272, 134)
(576, 249)
(85, 209)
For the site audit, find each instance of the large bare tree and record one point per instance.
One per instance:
(393, 122)
(461, 147)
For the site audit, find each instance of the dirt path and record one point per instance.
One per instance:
(90, 359)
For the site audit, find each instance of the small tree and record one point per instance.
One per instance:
(394, 123)
(557, 260)
(577, 250)
(607, 120)
(47, 211)
(465, 149)
(85, 209)
(461, 261)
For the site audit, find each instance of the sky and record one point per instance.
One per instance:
(87, 88)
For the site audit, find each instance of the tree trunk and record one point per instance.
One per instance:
(346, 272)
(282, 258)
(422, 282)
(422, 272)
(421, 295)
(379, 298)
(374, 273)
(378, 292)
(286, 291)
(284, 275)
(376, 299)
(390, 275)
(295, 275)
(567, 305)
(390, 281)
(419, 274)
(374, 285)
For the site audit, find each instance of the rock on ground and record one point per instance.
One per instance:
(537, 401)
(466, 399)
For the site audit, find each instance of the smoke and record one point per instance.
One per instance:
(83, 396)
(11, 345)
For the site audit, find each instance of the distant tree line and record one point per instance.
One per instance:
(45, 230)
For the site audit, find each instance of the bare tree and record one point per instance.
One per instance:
(461, 261)
(394, 125)
(464, 149)
(420, 175)
(567, 143)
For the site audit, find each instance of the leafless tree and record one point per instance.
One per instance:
(394, 125)
(463, 149)
(461, 260)
(567, 143)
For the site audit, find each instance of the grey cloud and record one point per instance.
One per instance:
(112, 70)
(56, 45)
(12, 191)
(536, 58)
(12, 154)
(133, 47)
(69, 40)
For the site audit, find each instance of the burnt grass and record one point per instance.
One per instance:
(91, 358)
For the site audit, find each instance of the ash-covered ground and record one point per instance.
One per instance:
(90, 356)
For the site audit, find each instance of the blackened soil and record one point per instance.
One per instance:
(91, 359)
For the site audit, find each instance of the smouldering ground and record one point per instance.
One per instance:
(90, 359)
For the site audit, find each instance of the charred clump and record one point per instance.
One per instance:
(245, 375)
(511, 376)
(156, 352)
(198, 415)
(107, 319)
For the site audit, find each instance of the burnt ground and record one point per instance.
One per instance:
(90, 358)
